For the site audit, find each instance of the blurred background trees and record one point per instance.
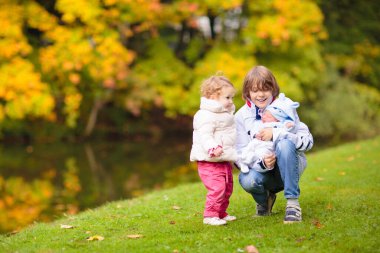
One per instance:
(72, 69)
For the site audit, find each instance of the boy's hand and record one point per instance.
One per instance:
(265, 134)
(289, 124)
(270, 160)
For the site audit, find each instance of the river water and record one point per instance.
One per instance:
(44, 182)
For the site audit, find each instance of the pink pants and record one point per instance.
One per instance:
(218, 180)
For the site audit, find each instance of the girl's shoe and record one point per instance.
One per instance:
(214, 221)
(229, 218)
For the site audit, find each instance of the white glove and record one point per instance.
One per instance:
(244, 168)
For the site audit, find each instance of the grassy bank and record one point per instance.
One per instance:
(340, 202)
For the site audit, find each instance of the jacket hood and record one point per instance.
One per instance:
(283, 108)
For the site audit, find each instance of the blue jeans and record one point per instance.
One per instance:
(285, 175)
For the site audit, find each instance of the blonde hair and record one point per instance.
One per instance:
(214, 84)
(262, 79)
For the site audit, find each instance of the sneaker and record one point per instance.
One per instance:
(266, 210)
(229, 218)
(214, 221)
(261, 210)
(293, 214)
(271, 199)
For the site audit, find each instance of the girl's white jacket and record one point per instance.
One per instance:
(213, 126)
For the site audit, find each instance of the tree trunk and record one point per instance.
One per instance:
(93, 117)
(212, 17)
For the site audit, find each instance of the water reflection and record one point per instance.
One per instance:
(42, 183)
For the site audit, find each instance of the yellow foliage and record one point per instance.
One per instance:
(21, 87)
(10, 20)
(72, 103)
(39, 18)
(83, 49)
(293, 20)
(12, 40)
(110, 2)
(228, 62)
(2, 113)
(148, 13)
(86, 10)
(71, 180)
(226, 4)
(22, 202)
(231, 62)
(111, 57)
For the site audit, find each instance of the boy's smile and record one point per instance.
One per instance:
(261, 98)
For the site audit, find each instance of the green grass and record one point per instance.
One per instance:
(340, 202)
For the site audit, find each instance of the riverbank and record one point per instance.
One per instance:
(340, 210)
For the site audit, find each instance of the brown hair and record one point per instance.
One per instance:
(213, 85)
(260, 78)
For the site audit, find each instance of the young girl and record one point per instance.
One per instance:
(260, 88)
(213, 147)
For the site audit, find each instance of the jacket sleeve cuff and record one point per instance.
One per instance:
(262, 165)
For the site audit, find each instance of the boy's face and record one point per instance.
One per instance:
(226, 97)
(261, 98)
(268, 117)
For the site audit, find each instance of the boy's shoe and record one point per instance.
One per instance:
(261, 210)
(229, 218)
(214, 221)
(266, 210)
(293, 214)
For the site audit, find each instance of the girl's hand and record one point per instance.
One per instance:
(215, 152)
(265, 134)
(270, 160)
(218, 151)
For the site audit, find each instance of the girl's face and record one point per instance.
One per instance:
(226, 97)
(261, 98)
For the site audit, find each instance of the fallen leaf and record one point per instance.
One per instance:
(301, 239)
(329, 206)
(251, 249)
(135, 236)
(317, 224)
(66, 226)
(172, 222)
(95, 238)
(176, 207)
(318, 179)
(14, 232)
